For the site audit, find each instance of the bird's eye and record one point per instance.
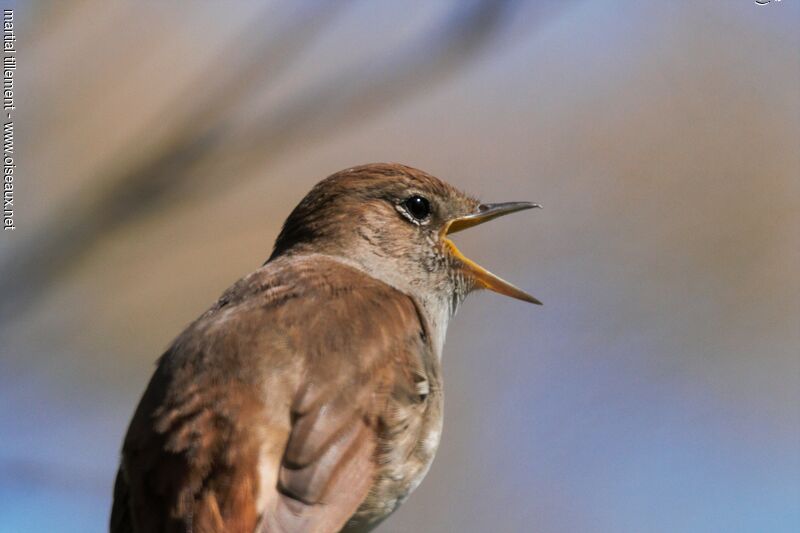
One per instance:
(418, 207)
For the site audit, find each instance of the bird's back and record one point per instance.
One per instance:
(307, 398)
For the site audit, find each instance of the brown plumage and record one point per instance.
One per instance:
(309, 397)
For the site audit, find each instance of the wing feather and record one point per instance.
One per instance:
(266, 413)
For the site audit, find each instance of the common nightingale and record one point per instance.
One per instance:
(309, 396)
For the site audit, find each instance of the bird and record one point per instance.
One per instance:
(309, 396)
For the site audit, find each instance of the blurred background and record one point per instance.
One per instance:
(160, 145)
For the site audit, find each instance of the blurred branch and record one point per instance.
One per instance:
(201, 134)
(136, 182)
(378, 84)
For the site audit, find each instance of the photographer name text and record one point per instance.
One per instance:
(9, 71)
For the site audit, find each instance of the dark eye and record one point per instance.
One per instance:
(418, 206)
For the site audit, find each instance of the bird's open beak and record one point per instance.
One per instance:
(483, 277)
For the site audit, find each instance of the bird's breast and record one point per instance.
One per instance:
(409, 439)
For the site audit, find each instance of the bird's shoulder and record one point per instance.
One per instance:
(305, 278)
(310, 285)
(298, 306)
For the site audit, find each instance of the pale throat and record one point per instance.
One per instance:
(438, 312)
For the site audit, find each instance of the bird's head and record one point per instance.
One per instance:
(393, 221)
